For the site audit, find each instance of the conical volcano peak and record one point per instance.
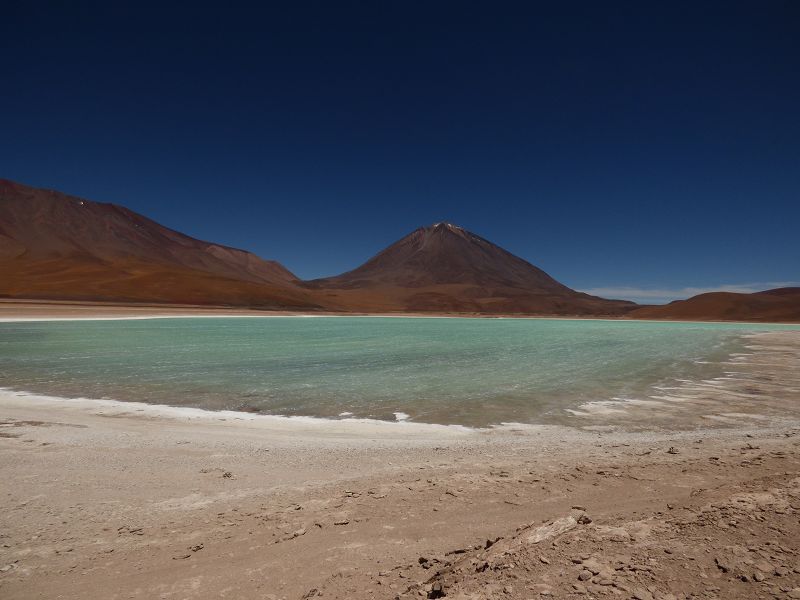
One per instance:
(446, 267)
(446, 225)
(446, 254)
(443, 229)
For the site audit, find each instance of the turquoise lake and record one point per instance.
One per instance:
(473, 372)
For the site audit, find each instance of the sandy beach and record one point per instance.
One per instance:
(122, 500)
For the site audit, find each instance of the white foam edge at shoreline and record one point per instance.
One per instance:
(358, 427)
(619, 405)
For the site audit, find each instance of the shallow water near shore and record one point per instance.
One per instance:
(474, 372)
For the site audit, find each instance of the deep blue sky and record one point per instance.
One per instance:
(651, 146)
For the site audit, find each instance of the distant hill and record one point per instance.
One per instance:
(57, 246)
(781, 304)
(446, 268)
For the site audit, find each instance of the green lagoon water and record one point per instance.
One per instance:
(473, 372)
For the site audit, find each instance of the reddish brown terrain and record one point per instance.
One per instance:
(59, 247)
(782, 304)
(55, 246)
(448, 269)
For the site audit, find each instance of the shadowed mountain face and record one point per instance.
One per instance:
(446, 268)
(57, 246)
(781, 304)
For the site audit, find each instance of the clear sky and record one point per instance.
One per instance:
(633, 149)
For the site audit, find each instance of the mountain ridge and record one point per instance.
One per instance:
(444, 267)
(775, 305)
(113, 215)
(55, 246)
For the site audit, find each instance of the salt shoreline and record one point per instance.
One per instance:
(114, 499)
(690, 405)
(145, 505)
(21, 312)
(720, 398)
(269, 424)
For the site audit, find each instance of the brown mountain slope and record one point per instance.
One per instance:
(57, 246)
(781, 304)
(446, 268)
(43, 224)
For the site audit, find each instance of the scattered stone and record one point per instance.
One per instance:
(672, 450)
(341, 522)
(551, 530)
(132, 530)
(593, 566)
(437, 590)
(584, 520)
(196, 547)
(764, 567)
(585, 575)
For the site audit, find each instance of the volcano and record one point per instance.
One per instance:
(59, 247)
(446, 268)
